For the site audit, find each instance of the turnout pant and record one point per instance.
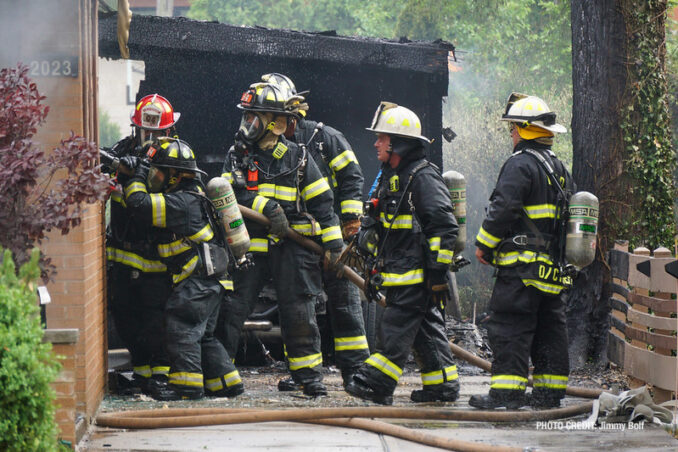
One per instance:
(137, 304)
(297, 282)
(346, 318)
(525, 322)
(197, 358)
(411, 320)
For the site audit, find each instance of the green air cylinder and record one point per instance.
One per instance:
(456, 184)
(582, 229)
(219, 190)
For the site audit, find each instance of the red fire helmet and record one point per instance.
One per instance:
(154, 112)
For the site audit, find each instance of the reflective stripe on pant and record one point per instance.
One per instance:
(346, 317)
(535, 328)
(137, 302)
(411, 321)
(191, 316)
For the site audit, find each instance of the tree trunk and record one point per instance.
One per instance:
(610, 47)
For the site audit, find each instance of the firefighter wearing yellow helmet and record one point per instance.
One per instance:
(521, 236)
(416, 229)
(338, 164)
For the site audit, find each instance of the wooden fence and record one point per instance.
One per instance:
(643, 324)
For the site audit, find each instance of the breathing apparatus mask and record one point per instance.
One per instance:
(158, 179)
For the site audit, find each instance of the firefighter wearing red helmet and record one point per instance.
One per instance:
(138, 281)
(188, 236)
(337, 162)
(274, 176)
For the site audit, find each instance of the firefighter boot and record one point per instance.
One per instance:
(543, 400)
(496, 399)
(444, 392)
(357, 388)
(347, 374)
(176, 392)
(314, 389)
(231, 391)
(288, 384)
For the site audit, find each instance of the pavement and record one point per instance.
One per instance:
(567, 434)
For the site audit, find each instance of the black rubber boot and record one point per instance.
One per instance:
(347, 374)
(436, 393)
(542, 401)
(314, 389)
(491, 401)
(288, 384)
(358, 389)
(129, 386)
(232, 391)
(174, 392)
(155, 383)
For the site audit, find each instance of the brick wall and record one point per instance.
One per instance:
(38, 29)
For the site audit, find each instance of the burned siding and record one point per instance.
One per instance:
(203, 68)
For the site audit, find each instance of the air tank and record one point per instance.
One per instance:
(582, 229)
(456, 184)
(219, 190)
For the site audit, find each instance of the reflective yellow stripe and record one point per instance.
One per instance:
(144, 371)
(352, 207)
(403, 279)
(434, 243)
(343, 159)
(158, 210)
(278, 192)
(215, 384)
(508, 382)
(228, 176)
(384, 365)
(174, 248)
(550, 381)
(306, 228)
(259, 203)
(350, 343)
(227, 284)
(186, 270)
(116, 196)
(554, 289)
(305, 361)
(445, 256)
(524, 257)
(134, 187)
(203, 235)
(160, 370)
(487, 239)
(134, 260)
(185, 379)
(541, 211)
(436, 377)
(314, 189)
(258, 245)
(400, 222)
(331, 233)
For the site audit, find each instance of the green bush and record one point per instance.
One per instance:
(27, 366)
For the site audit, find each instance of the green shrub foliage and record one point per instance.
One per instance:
(27, 366)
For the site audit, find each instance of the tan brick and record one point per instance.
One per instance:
(64, 390)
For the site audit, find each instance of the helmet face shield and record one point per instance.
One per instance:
(251, 126)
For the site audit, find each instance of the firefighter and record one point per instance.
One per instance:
(339, 166)
(169, 197)
(410, 232)
(275, 177)
(138, 282)
(521, 237)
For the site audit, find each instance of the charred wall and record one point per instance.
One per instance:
(203, 68)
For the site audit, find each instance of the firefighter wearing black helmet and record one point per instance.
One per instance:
(520, 237)
(138, 283)
(169, 197)
(275, 177)
(339, 166)
(415, 230)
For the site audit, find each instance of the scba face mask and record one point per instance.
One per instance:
(252, 126)
(156, 179)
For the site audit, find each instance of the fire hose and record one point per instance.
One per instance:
(345, 416)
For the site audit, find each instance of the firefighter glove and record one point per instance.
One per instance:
(349, 228)
(130, 161)
(331, 261)
(438, 287)
(279, 222)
